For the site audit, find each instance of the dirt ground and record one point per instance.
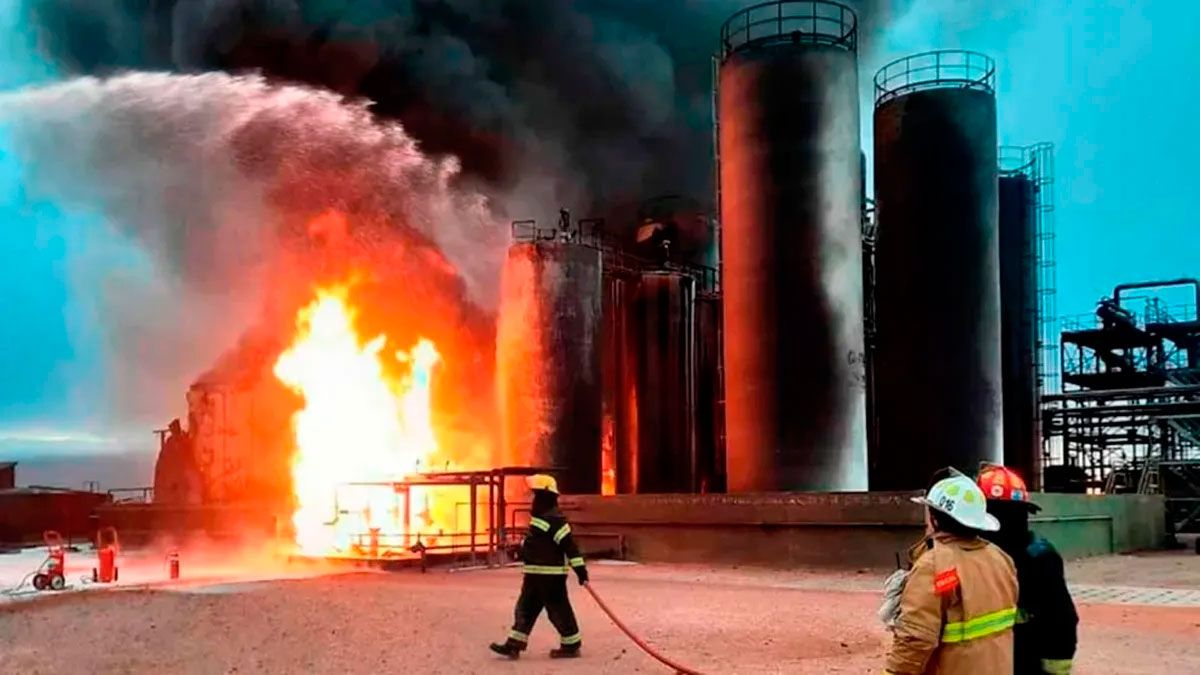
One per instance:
(715, 620)
(1159, 569)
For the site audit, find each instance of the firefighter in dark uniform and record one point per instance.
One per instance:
(1045, 634)
(548, 552)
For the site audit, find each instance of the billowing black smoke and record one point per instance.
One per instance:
(584, 102)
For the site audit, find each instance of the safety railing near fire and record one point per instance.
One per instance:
(791, 22)
(592, 233)
(134, 495)
(951, 68)
(484, 536)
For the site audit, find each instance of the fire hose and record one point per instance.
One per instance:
(636, 640)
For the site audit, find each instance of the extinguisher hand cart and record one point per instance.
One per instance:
(51, 575)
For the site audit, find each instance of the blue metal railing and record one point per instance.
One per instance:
(809, 22)
(943, 69)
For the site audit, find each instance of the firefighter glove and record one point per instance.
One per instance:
(582, 573)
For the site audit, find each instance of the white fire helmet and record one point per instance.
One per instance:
(960, 498)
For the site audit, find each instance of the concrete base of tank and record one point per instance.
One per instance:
(856, 530)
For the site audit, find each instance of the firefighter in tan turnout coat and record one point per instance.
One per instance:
(958, 604)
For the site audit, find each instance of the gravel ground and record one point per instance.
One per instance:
(717, 620)
(1159, 569)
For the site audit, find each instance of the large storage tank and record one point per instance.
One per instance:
(548, 360)
(710, 395)
(936, 369)
(618, 354)
(665, 393)
(1018, 200)
(790, 193)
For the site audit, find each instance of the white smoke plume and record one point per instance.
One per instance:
(212, 175)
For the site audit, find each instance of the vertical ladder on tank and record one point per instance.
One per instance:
(1048, 354)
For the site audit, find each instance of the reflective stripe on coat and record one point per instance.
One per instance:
(957, 611)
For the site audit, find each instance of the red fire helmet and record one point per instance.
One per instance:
(1000, 483)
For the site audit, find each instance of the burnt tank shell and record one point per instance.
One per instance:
(790, 203)
(1019, 316)
(936, 371)
(665, 310)
(548, 361)
(710, 389)
(619, 359)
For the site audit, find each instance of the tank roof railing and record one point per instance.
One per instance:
(1016, 160)
(783, 22)
(592, 233)
(942, 69)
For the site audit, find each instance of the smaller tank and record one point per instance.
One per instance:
(548, 360)
(618, 357)
(1019, 312)
(710, 411)
(665, 308)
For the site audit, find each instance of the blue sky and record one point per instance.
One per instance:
(51, 346)
(1110, 84)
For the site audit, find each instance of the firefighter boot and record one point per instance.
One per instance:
(566, 651)
(511, 648)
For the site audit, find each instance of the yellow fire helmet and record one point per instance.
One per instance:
(542, 482)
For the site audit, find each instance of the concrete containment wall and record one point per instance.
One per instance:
(1085, 525)
(858, 530)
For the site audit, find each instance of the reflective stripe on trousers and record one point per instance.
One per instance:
(980, 626)
(1057, 666)
(545, 569)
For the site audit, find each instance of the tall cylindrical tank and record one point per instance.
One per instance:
(548, 360)
(618, 360)
(710, 395)
(790, 193)
(665, 310)
(936, 369)
(1019, 319)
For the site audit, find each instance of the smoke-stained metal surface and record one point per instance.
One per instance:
(790, 193)
(710, 399)
(618, 358)
(1018, 321)
(937, 366)
(665, 310)
(548, 360)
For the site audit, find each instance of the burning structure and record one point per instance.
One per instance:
(642, 353)
(801, 341)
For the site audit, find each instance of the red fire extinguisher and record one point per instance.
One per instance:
(173, 564)
(106, 554)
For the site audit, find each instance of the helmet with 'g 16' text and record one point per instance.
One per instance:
(960, 498)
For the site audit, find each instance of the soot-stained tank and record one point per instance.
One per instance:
(548, 360)
(936, 370)
(710, 390)
(618, 360)
(665, 376)
(1019, 317)
(790, 197)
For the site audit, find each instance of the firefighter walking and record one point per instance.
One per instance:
(1045, 634)
(548, 552)
(958, 604)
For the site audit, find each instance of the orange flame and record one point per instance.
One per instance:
(357, 425)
